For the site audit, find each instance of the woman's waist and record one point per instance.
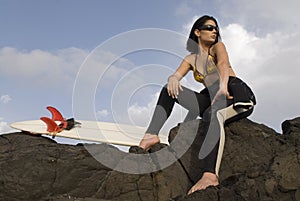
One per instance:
(213, 82)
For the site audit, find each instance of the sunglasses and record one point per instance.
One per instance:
(209, 28)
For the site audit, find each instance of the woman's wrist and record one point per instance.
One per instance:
(171, 76)
(223, 87)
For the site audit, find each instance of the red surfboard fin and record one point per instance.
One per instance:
(52, 127)
(56, 115)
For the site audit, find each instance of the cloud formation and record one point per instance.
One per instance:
(40, 67)
(262, 17)
(269, 64)
(5, 99)
(262, 40)
(4, 127)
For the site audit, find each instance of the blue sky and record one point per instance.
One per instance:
(44, 44)
(51, 25)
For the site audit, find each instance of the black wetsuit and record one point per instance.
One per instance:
(214, 117)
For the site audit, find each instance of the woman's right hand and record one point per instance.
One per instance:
(173, 86)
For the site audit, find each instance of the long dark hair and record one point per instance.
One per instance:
(192, 43)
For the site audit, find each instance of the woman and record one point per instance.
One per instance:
(225, 97)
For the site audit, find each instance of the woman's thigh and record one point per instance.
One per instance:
(194, 102)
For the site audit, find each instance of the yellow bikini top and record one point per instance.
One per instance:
(210, 68)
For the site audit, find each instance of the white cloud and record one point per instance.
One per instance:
(102, 113)
(186, 28)
(264, 15)
(238, 42)
(5, 99)
(141, 115)
(40, 68)
(50, 77)
(4, 127)
(269, 65)
(261, 17)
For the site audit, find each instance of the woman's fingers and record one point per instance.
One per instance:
(180, 87)
(170, 90)
(228, 96)
(219, 95)
(173, 89)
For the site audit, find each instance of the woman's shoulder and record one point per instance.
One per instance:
(218, 45)
(190, 58)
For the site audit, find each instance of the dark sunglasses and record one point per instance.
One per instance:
(209, 28)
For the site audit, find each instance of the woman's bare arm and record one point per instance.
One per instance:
(174, 80)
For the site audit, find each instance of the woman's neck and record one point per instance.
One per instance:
(204, 47)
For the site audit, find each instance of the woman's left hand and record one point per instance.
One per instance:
(222, 92)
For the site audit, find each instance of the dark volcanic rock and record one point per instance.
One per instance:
(258, 164)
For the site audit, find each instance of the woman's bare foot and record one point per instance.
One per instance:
(148, 141)
(208, 179)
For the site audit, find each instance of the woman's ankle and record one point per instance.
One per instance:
(148, 141)
(207, 179)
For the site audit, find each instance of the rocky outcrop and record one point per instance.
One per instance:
(258, 164)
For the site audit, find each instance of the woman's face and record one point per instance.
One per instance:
(208, 33)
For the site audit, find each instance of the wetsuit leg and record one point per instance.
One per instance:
(212, 148)
(193, 101)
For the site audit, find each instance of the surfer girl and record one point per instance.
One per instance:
(225, 97)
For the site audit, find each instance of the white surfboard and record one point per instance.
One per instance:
(111, 133)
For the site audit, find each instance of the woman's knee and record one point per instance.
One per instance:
(164, 90)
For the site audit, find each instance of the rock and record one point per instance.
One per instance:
(297, 195)
(291, 126)
(258, 164)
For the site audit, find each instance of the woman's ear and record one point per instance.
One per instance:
(197, 32)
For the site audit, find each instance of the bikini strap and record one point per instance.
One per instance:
(195, 64)
(209, 51)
